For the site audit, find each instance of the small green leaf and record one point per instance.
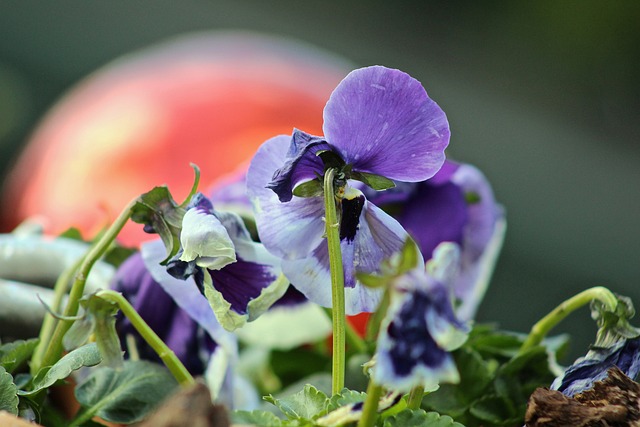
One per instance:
(345, 397)
(420, 418)
(373, 280)
(255, 418)
(8, 393)
(127, 395)
(15, 353)
(88, 355)
(311, 188)
(307, 404)
(408, 256)
(377, 182)
(160, 214)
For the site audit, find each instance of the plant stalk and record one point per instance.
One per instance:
(370, 408)
(332, 227)
(167, 355)
(54, 349)
(544, 325)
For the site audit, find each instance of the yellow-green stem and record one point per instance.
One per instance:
(55, 347)
(544, 325)
(415, 398)
(370, 408)
(332, 227)
(49, 322)
(167, 355)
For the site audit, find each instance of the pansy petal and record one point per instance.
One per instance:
(407, 354)
(205, 240)
(301, 164)
(186, 295)
(289, 230)
(382, 122)
(482, 240)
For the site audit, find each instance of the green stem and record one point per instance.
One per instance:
(167, 356)
(49, 322)
(332, 227)
(544, 325)
(370, 408)
(415, 398)
(373, 326)
(352, 337)
(55, 347)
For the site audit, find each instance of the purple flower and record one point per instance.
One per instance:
(594, 366)
(456, 205)
(379, 125)
(238, 276)
(419, 332)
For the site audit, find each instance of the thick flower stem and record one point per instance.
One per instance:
(167, 356)
(415, 398)
(544, 325)
(54, 349)
(370, 408)
(332, 230)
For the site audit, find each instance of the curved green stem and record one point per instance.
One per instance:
(167, 356)
(370, 408)
(49, 322)
(352, 338)
(332, 229)
(55, 348)
(544, 325)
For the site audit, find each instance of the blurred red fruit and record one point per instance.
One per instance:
(210, 99)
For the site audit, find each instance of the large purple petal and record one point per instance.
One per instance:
(382, 121)
(289, 230)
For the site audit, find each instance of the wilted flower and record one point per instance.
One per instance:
(238, 276)
(456, 205)
(420, 329)
(379, 125)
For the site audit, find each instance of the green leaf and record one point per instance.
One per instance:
(377, 182)
(255, 418)
(15, 353)
(495, 411)
(345, 397)
(127, 395)
(311, 188)
(160, 213)
(307, 404)
(87, 355)
(8, 393)
(420, 418)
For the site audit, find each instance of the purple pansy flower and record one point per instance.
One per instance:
(238, 276)
(379, 125)
(456, 205)
(582, 375)
(420, 328)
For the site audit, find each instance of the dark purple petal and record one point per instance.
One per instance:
(418, 333)
(291, 297)
(382, 121)
(300, 164)
(241, 282)
(586, 371)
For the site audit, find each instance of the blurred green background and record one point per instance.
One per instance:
(542, 96)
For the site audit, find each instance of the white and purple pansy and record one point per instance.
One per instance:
(238, 276)
(379, 126)
(456, 205)
(420, 328)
